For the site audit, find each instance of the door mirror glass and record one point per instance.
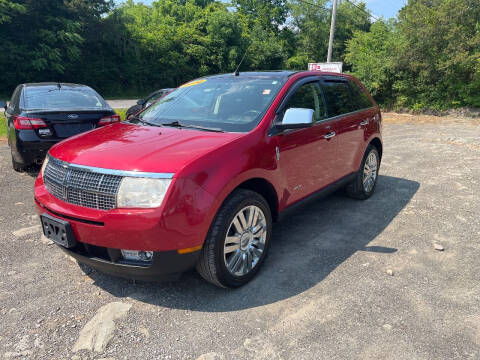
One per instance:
(296, 118)
(3, 104)
(140, 102)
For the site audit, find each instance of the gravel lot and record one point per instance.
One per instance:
(345, 279)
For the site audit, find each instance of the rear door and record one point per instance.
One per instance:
(306, 156)
(343, 108)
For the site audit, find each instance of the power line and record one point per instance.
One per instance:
(362, 9)
(351, 2)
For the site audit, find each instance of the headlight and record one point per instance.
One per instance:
(44, 165)
(142, 192)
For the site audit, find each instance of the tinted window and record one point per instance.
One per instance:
(64, 97)
(229, 103)
(338, 97)
(361, 99)
(15, 98)
(154, 97)
(308, 97)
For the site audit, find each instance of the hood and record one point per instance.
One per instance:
(139, 148)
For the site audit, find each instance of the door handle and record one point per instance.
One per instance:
(364, 122)
(330, 135)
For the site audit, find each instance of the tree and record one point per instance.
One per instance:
(371, 56)
(438, 55)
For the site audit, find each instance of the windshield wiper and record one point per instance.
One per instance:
(188, 126)
(139, 119)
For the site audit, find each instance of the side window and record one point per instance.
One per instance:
(154, 97)
(15, 98)
(338, 97)
(361, 99)
(308, 96)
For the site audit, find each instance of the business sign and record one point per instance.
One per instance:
(335, 67)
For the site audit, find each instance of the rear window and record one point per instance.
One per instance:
(361, 99)
(55, 97)
(338, 97)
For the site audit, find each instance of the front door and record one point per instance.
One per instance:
(306, 156)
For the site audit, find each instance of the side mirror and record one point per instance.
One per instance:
(296, 118)
(3, 104)
(140, 102)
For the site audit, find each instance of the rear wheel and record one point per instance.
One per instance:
(363, 186)
(238, 240)
(17, 166)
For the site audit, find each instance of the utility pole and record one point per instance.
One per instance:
(332, 31)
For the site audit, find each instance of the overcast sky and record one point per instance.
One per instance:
(385, 8)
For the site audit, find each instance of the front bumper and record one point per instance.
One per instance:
(165, 265)
(174, 232)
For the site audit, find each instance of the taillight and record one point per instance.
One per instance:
(108, 120)
(27, 123)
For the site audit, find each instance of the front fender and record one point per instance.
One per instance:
(221, 172)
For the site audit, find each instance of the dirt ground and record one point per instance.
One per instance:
(345, 279)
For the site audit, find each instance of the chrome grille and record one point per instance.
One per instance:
(81, 186)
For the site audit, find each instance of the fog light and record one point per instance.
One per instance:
(137, 255)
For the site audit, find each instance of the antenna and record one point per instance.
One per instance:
(236, 73)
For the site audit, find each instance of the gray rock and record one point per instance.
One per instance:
(98, 332)
(438, 247)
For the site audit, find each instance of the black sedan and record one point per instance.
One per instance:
(143, 103)
(42, 114)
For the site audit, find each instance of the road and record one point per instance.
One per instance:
(345, 279)
(121, 104)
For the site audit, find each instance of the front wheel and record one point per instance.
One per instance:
(363, 185)
(238, 240)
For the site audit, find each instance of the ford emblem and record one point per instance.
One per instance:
(72, 116)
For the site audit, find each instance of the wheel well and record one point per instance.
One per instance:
(264, 188)
(378, 144)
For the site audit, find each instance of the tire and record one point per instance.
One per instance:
(358, 189)
(17, 166)
(223, 266)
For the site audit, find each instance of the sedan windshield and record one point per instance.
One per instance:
(233, 104)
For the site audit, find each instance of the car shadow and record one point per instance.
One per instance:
(306, 247)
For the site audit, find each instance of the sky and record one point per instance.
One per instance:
(385, 8)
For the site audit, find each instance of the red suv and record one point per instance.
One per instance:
(198, 178)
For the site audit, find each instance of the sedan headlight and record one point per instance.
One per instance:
(44, 165)
(142, 192)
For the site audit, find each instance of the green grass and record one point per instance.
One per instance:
(121, 112)
(3, 123)
(3, 126)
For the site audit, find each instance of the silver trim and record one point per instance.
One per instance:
(124, 173)
(330, 135)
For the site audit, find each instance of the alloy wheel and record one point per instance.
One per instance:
(245, 240)
(370, 171)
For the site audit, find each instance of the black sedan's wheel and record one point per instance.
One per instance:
(238, 240)
(363, 186)
(17, 166)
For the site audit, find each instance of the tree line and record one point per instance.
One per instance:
(428, 57)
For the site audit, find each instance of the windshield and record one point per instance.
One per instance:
(233, 104)
(65, 98)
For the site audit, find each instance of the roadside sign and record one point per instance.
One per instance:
(335, 67)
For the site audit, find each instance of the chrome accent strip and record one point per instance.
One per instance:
(330, 135)
(113, 171)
